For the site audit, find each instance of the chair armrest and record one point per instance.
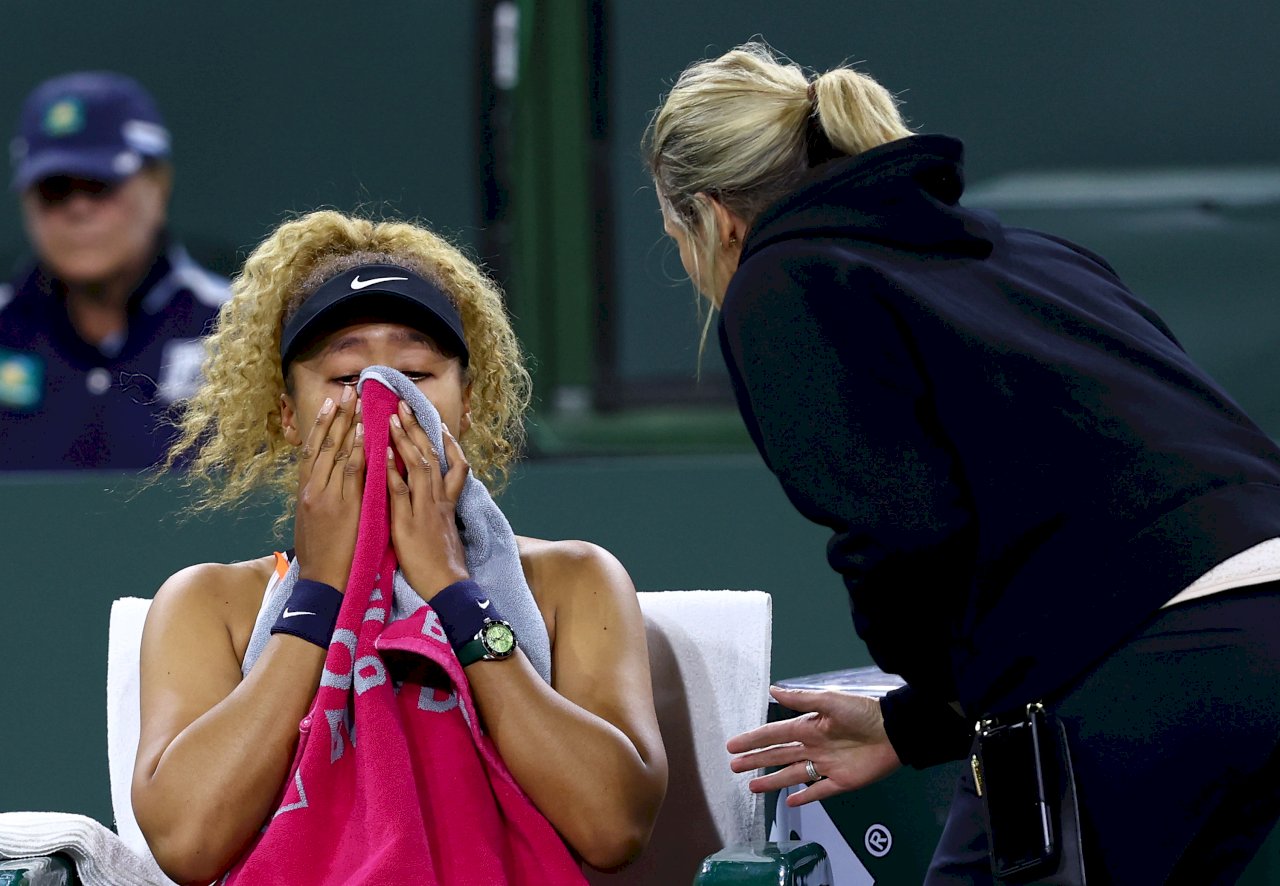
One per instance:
(787, 863)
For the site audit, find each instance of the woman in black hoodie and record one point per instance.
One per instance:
(1036, 497)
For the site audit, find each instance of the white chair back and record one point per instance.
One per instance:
(128, 614)
(709, 656)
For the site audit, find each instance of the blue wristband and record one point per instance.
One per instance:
(463, 608)
(310, 613)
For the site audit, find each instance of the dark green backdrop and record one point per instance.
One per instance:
(292, 105)
(277, 107)
(1028, 86)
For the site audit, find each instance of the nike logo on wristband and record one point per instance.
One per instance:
(358, 284)
(483, 604)
(291, 613)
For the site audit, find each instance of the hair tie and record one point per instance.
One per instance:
(818, 148)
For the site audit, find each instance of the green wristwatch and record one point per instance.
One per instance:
(494, 641)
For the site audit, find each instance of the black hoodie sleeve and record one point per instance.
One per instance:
(827, 383)
(924, 732)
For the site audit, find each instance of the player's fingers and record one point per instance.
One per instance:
(313, 442)
(416, 433)
(418, 467)
(397, 488)
(424, 473)
(456, 480)
(353, 470)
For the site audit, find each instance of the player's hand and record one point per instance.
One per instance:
(424, 528)
(330, 489)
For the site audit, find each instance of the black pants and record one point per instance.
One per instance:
(1175, 740)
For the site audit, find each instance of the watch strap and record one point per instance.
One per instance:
(471, 652)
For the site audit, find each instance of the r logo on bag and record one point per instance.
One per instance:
(878, 840)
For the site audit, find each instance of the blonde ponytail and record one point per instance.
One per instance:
(737, 129)
(855, 112)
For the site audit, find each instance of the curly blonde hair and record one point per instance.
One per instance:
(229, 434)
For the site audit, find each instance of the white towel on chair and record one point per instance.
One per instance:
(128, 615)
(101, 857)
(709, 657)
(718, 668)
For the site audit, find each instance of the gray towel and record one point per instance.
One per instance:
(492, 556)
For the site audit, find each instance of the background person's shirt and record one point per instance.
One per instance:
(66, 403)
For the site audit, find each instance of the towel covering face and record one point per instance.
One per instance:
(393, 781)
(493, 559)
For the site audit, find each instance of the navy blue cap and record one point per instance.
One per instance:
(387, 292)
(92, 124)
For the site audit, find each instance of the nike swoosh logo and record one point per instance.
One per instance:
(484, 605)
(358, 284)
(291, 613)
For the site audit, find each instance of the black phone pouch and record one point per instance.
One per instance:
(1022, 771)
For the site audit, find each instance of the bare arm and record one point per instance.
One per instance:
(214, 750)
(587, 749)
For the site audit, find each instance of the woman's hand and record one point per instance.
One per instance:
(424, 527)
(330, 489)
(842, 734)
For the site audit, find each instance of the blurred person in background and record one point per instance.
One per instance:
(1044, 512)
(100, 335)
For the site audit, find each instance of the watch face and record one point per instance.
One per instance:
(498, 638)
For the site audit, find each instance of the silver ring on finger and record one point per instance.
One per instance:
(812, 772)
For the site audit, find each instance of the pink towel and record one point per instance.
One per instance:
(396, 784)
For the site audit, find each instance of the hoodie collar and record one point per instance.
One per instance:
(904, 194)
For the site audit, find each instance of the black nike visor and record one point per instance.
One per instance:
(386, 293)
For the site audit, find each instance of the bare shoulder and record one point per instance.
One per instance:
(564, 570)
(226, 585)
(599, 647)
(214, 594)
(579, 587)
